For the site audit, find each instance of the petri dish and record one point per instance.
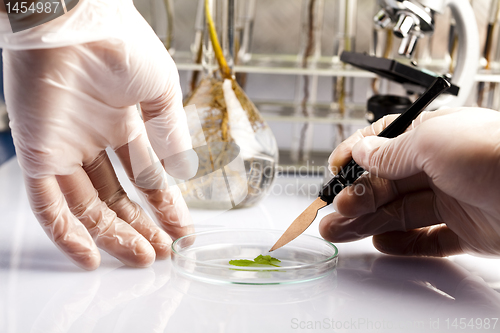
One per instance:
(206, 255)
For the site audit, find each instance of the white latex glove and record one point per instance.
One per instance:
(438, 187)
(88, 21)
(67, 105)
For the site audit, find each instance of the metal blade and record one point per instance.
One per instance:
(301, 223)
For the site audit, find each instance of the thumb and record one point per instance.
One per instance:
(167, 128)
(388, 158)
(164, 115)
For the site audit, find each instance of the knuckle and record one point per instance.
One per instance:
(375, 158)
(124, 208)
(94, 215)
(130, 211)
(117, 197)
(48, 215)
(96, 163)
(100, 223)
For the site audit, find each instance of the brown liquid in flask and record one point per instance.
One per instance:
(228, 119)
(238, 168)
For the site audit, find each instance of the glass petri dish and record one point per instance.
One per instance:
(206, 255)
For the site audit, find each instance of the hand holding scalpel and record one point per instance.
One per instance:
(352, 171)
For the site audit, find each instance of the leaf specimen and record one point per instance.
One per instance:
(259, 261)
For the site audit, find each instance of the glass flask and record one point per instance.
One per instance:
(237, 150)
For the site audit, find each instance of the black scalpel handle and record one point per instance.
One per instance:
(352, 171)
(347, 175)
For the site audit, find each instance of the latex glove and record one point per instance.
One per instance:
(67, 105)
(431, 191)
(88, 21)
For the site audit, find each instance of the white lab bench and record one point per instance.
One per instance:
(42, 291)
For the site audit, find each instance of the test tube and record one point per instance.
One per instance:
(169, 38)
(484, 97)
(494, 96)
(197, 45)
(312, 23)
(344, 40)
(243, 36)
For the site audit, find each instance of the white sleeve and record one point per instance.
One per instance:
(88, 21)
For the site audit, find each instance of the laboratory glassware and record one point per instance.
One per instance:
(221, 116)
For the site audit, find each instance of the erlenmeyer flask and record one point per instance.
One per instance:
(224, 121)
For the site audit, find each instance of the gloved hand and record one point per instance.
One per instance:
(67, 105)
(432, 191)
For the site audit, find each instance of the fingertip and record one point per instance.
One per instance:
(338, 158)
(163, 253)
(384, 244)
(191, 239)
(185, 230)
(364, 149)
(158, 238)
(183, 165)
(402, 243)
(344, 205)
(144, 255)
(324, 228)
(78, 246)
(88, 261)
(329, 227)
(335, 203)
(176, 219)
(331, 166)
(130, 247)
(162, 243)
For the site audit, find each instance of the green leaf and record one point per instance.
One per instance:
(259, 261)
(241, 262)
(267, 260)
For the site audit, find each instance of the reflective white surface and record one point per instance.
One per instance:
(42, 291)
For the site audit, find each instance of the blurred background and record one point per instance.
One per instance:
(286, 58)
(272, 39)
